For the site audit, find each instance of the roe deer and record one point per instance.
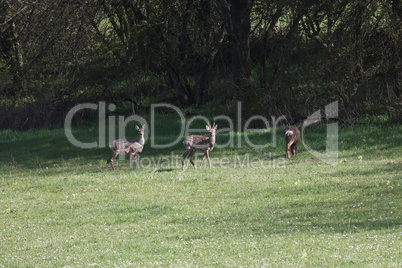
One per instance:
(292, 137)
(132, 147)
(195, 142)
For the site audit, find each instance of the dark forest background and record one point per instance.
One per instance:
(286, 57)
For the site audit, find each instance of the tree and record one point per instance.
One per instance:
(236, 16)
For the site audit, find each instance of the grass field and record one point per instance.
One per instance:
(58, 207)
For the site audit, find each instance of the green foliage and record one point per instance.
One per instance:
(59, 208)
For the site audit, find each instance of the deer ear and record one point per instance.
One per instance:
(208, 127)
(216, 127)
(137, 128)
(143, 126)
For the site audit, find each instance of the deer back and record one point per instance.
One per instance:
(292, 133)
(121, 144)
(196, 142)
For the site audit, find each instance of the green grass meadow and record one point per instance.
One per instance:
(59, 208)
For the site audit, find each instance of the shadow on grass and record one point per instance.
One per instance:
(165, 170)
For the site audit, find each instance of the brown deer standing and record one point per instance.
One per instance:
(195, 142)
(132, 147)
(292, 137)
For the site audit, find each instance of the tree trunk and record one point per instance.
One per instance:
(236, 17)
(201, 85)
(19, 66)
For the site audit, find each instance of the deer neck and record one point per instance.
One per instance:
(211, 141)
(142, 140)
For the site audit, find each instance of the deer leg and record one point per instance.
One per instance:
(131, 160)
(288, 148)
(135, 161)
(111, 159)
(190, 157)
(203, 157)
(107, 164)
(209, 161)
(184, 157)
(294, 149)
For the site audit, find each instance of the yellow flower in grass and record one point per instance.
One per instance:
(360, 157)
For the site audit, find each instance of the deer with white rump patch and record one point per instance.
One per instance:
(132, 147)
(292, 137)
(196, 142)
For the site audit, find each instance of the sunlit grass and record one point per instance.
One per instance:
(58, 208)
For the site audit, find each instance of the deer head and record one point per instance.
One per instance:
(140, 130)
(212, 132)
